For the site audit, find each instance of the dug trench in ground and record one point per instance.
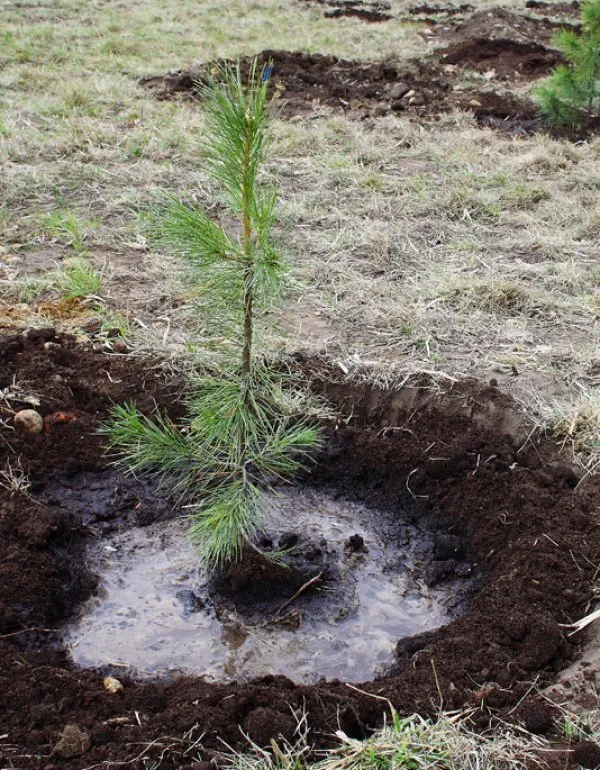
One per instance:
(457, 451)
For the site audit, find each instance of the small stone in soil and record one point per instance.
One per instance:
(399, 90)
(28, 421)
(112, 685)
(73, 742)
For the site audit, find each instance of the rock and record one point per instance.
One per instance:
(73, 742)
(398, 90)
(92, 326)
(474, 103)
(120, 346)
(416, 101)
(112, 685)
(397, 105)
(28, 421)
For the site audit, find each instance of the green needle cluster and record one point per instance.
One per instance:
(572, 92)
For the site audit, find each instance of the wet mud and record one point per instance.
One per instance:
(157, 611)
(456, 456)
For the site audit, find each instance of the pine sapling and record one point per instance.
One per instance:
(244, 432)
(572, 92)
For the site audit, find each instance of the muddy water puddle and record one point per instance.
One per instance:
(157, 612)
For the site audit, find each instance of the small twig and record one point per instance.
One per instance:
(437, 684)
(299, 592)
(412, 494)
(370, 694)
(27, 631)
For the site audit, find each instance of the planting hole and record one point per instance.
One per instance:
(158, 611)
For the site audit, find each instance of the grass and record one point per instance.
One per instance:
(406, 743)
(78, 279)
(439, 245)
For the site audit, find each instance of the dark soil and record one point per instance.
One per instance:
(306, 81)
(508, 59)
(426, 9)
(515, 47)
(554, 9)
(455, 454)
(365, 11)
(502, 24)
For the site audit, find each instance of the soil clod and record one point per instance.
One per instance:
(587, 754)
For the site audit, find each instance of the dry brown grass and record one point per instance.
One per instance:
(419, 245)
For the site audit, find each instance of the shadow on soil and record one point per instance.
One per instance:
(457, 455)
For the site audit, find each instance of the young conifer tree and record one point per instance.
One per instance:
(244, 432)
(572, 92)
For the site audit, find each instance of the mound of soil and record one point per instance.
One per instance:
(456, 454)
(502, 24)
(554, 9)
(506, 43)
(507, 58)
(366, 11)
(303, 83)
(446, 11)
